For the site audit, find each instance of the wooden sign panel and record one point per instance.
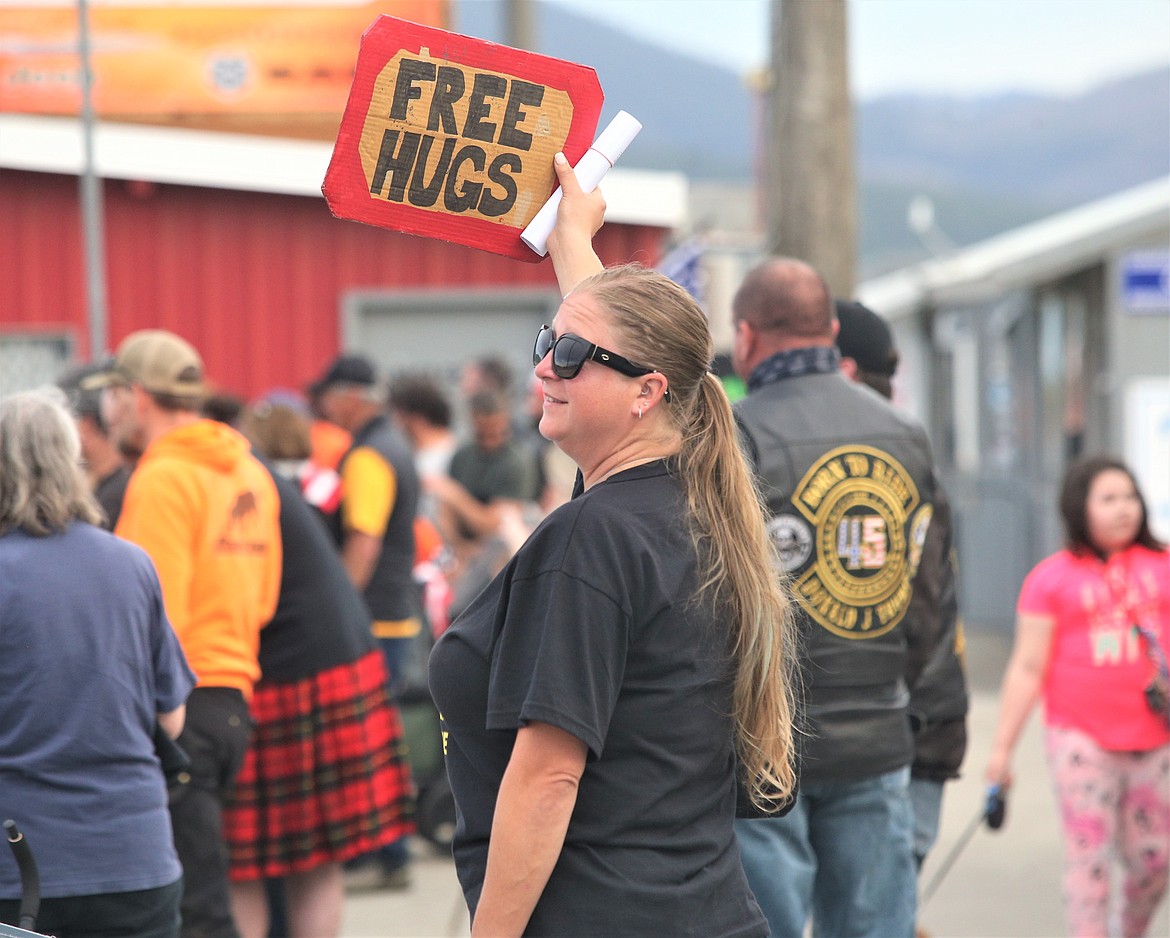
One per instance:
(452, 137)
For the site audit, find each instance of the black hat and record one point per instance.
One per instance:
(83, 401)
(346, 369)
(866, 338)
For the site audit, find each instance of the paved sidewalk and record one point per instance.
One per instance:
(1005, 884)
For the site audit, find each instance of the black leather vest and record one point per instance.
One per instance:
(850, 488)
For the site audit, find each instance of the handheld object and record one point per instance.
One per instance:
(995, 809)
(994, 812)
(590, 170)
(30, 880)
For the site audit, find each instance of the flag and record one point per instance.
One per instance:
(684, 265)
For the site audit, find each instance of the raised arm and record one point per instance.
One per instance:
(579, 217)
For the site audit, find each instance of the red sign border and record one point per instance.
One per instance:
(345, 175)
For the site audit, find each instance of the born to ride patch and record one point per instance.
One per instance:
(857, 500)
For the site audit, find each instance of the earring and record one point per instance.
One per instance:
(639, 413)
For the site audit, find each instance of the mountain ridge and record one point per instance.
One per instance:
(988, 162)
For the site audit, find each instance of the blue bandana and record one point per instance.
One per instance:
(814, 360)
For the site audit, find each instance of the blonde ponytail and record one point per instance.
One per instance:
(662, 326)
(728, 521)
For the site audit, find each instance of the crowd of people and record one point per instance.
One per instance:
(306, 548)
(699, 664)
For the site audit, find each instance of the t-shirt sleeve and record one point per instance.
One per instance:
(559, 658)
(370, 488)
(1037, 595)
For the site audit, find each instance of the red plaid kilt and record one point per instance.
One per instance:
(325, 778)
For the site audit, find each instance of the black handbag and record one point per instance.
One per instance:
(1157, 691)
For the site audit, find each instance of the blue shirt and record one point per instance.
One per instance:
(87, 661)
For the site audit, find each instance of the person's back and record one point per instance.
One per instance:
(938, 696)
(848, 518)
(76, 667)
(205, 510)
(850, 487)
(374, 531)
(312, 793)
(90, 675)
(390, 591)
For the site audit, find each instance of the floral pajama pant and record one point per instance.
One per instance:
(1111, 804)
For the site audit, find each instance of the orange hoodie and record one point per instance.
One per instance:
(207, 513)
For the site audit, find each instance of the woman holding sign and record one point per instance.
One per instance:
(599, 695)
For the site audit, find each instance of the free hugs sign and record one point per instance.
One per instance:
(451, 137)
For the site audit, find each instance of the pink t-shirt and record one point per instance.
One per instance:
(1098, 667)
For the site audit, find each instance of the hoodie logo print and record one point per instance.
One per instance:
(242, 532)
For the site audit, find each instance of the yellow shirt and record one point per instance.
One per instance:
(371, 487)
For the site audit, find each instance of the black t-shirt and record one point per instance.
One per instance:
(320, 620)
(110, 492)
(591, 628)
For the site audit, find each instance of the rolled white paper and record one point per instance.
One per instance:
(590, 169)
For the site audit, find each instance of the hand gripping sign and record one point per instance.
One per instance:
(452, 137)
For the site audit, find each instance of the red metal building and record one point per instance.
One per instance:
(226, 240)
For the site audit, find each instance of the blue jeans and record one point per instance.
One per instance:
(843, 855)
(396, 654)
(926, 799)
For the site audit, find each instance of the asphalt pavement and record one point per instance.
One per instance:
(1003, 884)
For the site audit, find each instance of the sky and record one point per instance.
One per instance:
(960, 47)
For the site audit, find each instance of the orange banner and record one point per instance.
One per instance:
(181, 62)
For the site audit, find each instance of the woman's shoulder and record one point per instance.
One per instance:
(601, 522)
(582, 517)
(1152, 554)
(1055, 569)
(1063, 559)
(1151, 558)
(98, 549)
(83, 546)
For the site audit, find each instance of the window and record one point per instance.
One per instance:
(31, 361)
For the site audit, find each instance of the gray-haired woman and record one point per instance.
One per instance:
(88, 666)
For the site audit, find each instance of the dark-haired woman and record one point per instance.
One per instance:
(598, 694)
(1092, 628)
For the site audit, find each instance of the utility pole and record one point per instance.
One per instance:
(520, 24)
(92, 215)
(811, 196)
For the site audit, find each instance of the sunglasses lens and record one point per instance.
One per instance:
(543, 344)
(569, 355)
(568, 352)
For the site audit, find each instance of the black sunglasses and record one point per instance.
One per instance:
(570, 352)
